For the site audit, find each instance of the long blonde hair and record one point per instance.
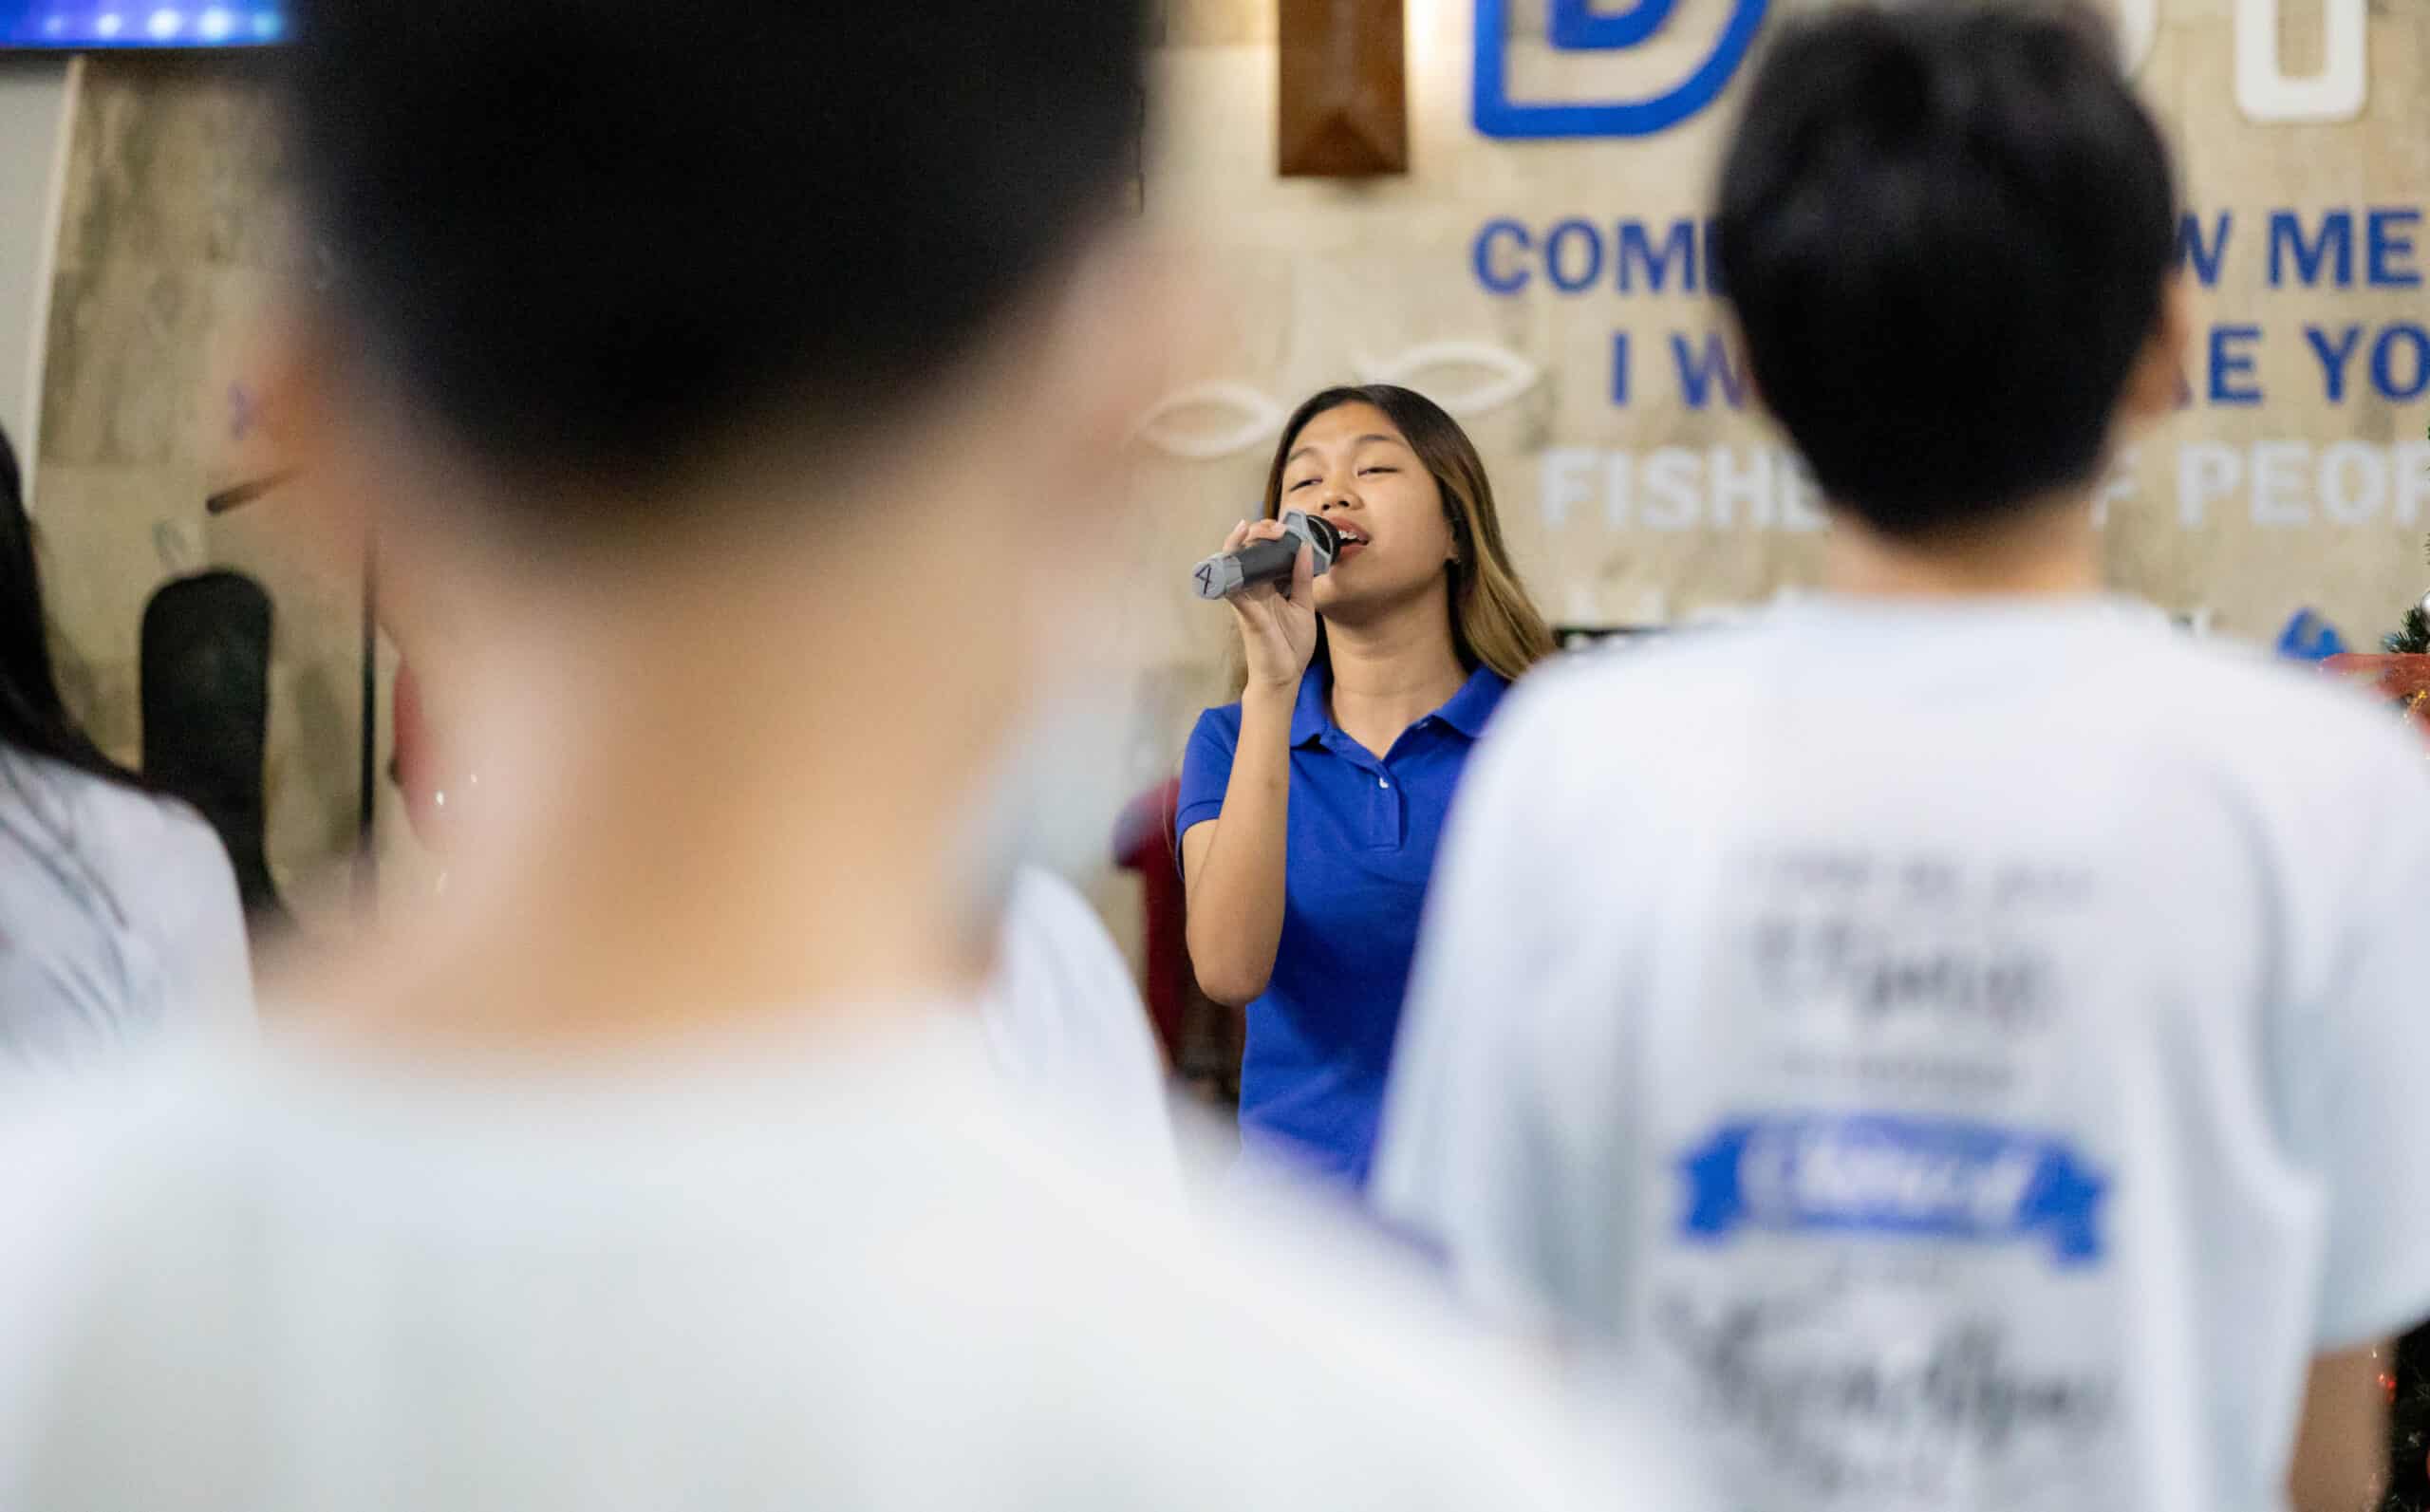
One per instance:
(1493, 622)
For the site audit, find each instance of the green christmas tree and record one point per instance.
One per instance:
(2410, 639)
(2413, 637)
(2409, 1472)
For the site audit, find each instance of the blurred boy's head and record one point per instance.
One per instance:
(736, 390)
(597, 246)
(1948, 231)
(610, 284)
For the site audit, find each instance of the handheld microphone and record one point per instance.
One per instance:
(1226, 572)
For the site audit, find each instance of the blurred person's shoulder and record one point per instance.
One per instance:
(1591, 713)
(119, 918)
(814, 1258)
(153, 853)
(2111, 656)
(155, 825)
(115, 826)
(177, 888)
(2282, 720)
(1686, 658)
(2324, 780)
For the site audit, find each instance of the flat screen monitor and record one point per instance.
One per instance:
(79, 24)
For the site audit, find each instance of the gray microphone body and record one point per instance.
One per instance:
(1227, 572)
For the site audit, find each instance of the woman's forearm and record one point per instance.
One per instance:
(1235, 894)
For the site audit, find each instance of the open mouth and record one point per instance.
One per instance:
(1352, 539)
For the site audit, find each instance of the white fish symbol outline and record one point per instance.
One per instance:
(1512, 375)
(1260, 417)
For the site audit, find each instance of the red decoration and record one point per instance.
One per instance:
(2403, 678)
(1202, 1038)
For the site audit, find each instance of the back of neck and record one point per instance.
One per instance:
(687, 826)
(2045, 549)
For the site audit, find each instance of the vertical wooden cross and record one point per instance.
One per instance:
(1343, 111)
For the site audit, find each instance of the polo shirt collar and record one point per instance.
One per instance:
(1313, 715)
(1474, 704)
(1467, 711)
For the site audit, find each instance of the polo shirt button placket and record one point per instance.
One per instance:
(1390, 811)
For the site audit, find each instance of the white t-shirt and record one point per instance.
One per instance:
(119, 921)
(776, 1274)
(1961, 1056)
(1065, 1022)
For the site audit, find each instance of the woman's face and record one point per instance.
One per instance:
(1352, 466)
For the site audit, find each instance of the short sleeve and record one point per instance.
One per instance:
(2357, 1122)
(1207, 767)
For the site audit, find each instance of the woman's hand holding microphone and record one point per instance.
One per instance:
(1235, 864)
(1278, 627)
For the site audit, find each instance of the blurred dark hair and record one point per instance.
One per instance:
(1948, 232)
(1493, 622)
(33, 721)
(598, 240)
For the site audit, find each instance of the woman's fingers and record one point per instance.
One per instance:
(1262, 594)
(1248, 530)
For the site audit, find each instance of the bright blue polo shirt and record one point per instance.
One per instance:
(1359, 846)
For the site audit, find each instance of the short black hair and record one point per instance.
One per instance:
(593, 240)
(1947, 230)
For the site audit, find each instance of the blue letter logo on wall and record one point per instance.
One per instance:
(1576, 29)
(1920, 1178)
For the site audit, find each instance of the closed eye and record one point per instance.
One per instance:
(1364, 471)
(1306, 482)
